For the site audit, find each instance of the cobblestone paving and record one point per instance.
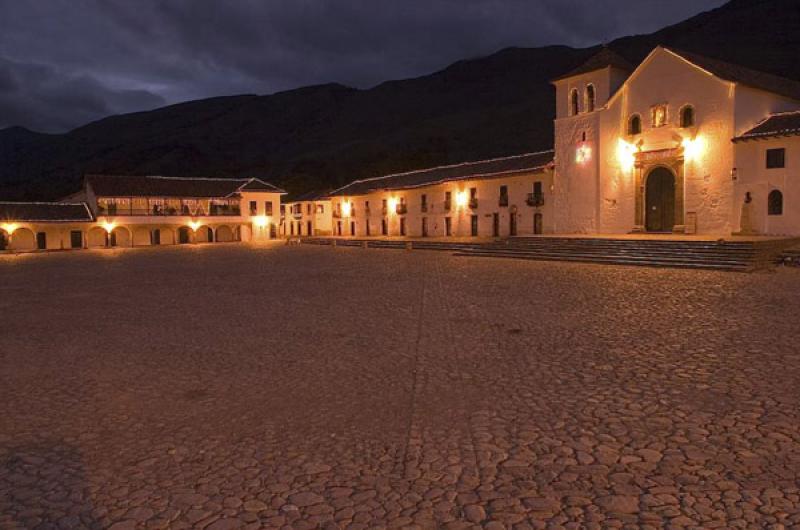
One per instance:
(229, 387)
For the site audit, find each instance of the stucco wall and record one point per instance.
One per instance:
(488, 193)
(754, 177)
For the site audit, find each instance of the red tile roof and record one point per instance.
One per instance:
(188, 187)
(45, 212)
(778, 124)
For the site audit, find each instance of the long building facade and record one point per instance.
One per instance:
(136, 211)
(680, 144)
(491, 198)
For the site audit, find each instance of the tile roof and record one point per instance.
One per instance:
(44, 211)
(778, 124)
(602, 59)
(189, 187)
(436, 175)
(741, 74)
(308, 196)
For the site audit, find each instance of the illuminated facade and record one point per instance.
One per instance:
(122, 211)
(649, 149)
(309, 214)
(490, 198)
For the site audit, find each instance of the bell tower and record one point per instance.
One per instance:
(581, 98)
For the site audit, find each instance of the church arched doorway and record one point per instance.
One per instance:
(660, 200)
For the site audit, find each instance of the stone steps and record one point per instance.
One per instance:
(705, 255)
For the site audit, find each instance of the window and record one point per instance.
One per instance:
(384, 228)
(253, 207)
(448, 226)
(776, 158)
(775, 203)
(448, 199)
(473, 223)
(473, 198)
(503, 196)
(402, 226)
(352, 228)
(687, 116)
(659, 115)
(384, 207)
(308, 209)
(589, 98)
(283, 209)
(424, 202)
(635, 125)
(268, 208)
(320, 208)
(573, 102)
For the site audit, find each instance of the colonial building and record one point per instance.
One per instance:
(680, 144)
(499, 197)
(128, 211)
(308, 214)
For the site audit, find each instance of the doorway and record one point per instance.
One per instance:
(495, 224)
(76, 239)
(183, 235)
(660, 201)
(41, 240)
(473, 223)
(537, 223)
(512, 224)
(424, 227)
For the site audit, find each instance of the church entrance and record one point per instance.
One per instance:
(660, 200)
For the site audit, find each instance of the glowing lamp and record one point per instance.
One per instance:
(194, 225)
(583, 153)
(461, 199)
(626, 155)
(109, 227)
(693, 148)
(260, 221)
(393, 204)
(9, 227)
(347, 208)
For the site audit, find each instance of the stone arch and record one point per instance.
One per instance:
(97, 237)
(204, 234)
(184, 235)
(590, 98)
(23, 239)
(223, 234)
(120, 236)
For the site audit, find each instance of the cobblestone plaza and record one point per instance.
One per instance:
(226, 387)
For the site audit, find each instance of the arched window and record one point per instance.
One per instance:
(589, 98)
(687, 116)
(573, 102)
(775, 203)
(635, 124)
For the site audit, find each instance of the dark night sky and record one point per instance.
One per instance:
(66, 62)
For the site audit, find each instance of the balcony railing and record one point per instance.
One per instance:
(401, 209)
(535, 199)
(169, 211)
(473, 203)
(503, 202)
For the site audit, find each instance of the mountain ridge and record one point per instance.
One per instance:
(326, 135)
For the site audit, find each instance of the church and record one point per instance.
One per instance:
(680, 144)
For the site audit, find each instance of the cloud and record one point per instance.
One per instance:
(70, 61)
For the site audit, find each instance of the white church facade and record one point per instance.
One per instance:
(680, 144)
